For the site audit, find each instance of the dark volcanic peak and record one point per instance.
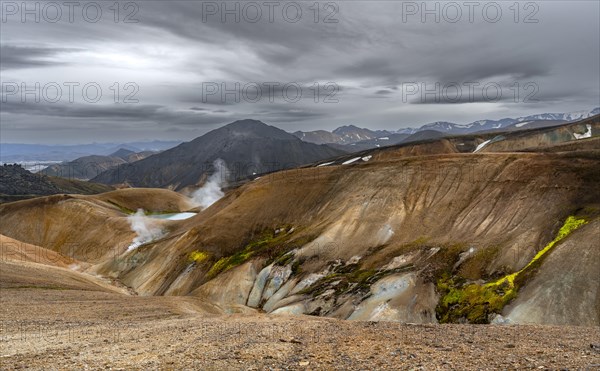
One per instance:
(248, 148)
(249, 128)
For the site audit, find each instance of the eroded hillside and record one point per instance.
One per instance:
(88, 228)
(383, 238)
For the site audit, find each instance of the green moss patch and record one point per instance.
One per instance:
(226, 263)
(269, 244)
(198, 256)
(475, 302)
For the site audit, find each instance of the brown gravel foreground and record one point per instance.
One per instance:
(73, 329)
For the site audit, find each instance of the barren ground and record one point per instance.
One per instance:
(79, 329)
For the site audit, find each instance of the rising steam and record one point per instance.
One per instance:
(146, 229)
(212, 191)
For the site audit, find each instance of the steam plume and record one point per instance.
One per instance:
(145, 227)
(212, 191)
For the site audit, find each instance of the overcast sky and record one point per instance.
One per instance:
(162, 65)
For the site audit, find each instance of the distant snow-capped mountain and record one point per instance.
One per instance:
(571, 116)
(353, 135)
(442, 126)
(485, 125)
(347, 134)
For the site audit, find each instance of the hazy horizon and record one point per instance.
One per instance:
(200, 133)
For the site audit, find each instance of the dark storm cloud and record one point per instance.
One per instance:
(16, 57)
(124, 112)
(449, 64)
(280, 41)
(115, 112)
(369, 53)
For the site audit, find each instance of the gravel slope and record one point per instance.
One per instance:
(72, 329)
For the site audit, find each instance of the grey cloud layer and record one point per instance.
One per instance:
(369, 53)
(16, 57)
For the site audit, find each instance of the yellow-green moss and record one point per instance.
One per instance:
(471, 302)
(571, 224)
(226, 263)
(269, 244)
(198, 256)
(474, 302)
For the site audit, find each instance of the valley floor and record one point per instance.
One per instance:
(84, 329)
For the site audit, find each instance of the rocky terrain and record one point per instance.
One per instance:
(344, 135)
(535, 138)
(350, 261)
(16, 183)
(16, 180)
(54, 315)
(100, 330)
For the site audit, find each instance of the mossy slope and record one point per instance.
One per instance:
(475, 303)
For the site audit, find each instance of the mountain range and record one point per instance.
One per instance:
(346, 134)
(347, 138)
(247, 147)
(88, 167)
(489, 125)
(20, 152)
(351, 134)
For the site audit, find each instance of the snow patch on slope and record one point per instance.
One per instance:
(351, 160)
(587, 134)
(325, 164)
(480, 146)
